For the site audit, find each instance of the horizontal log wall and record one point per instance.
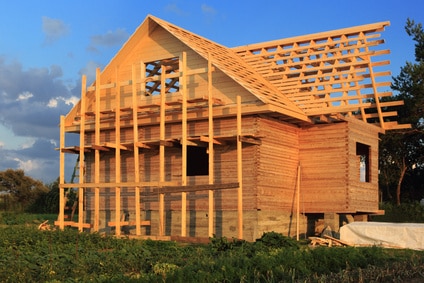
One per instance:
(324, 168)
(225, 167)
(363, 196)
(277, 164)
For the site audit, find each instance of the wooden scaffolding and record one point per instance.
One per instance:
(134, 113)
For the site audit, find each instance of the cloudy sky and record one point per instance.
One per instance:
(45, 47)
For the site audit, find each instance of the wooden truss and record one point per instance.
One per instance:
(315, 77)
(329, 74)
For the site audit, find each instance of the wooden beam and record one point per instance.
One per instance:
(117, 155)
(122, 184)
(183, 91)
(211, 159)
(367, 29)
(130, 223)
(62, 199)
(298, 203)
(81, 155)
(74, 224)
(206, 139)
(239, 172)
(193, 188)
(97, 154)
(135, 147)
(98, 147)
(251, 140)
(162, 152)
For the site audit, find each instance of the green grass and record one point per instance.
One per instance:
(19, 218)
(30, 255)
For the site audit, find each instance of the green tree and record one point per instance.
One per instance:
(23, 189)
(401, 151)
(47, 202)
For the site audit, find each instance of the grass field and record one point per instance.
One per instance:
(30, 255)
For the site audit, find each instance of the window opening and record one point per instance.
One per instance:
(363, 151)
(197, 161)
(153, 87)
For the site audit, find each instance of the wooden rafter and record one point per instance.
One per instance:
(153, 76)
(326, 73)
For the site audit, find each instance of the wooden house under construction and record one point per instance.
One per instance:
(183, 137)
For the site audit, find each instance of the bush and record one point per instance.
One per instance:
(277, 240)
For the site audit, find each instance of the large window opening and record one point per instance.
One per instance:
(197, 161)
(153, 86)
(363, 151)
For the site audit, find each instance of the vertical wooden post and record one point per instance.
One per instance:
(239, 171)
(183, 91)
(62, 174)
(117, 155)
(97, 154)
(298, 203)
(81, 154)
(135, 149)
(162, 149)
(211, 151)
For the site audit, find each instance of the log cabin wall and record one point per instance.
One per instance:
(277, 164)
(225, 167)
(324, 168)
(269, 170)
(331, 157)
(277, 178)
(363, 167)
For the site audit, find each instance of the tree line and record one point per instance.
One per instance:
(19, 192)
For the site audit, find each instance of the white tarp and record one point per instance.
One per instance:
(391, 235)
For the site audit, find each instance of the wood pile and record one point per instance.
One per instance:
(327, 241)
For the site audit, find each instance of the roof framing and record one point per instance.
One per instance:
(321, 77)
(329, 73)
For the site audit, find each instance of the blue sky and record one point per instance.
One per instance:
(45, 47)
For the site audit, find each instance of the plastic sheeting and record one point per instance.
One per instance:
(390, 235)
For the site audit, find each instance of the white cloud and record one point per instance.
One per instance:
(53, 142)
(52, 103)
(28, 165)
(24, 96)
(173, 8)
(53, 29)
(28, 143)
(109, 39)
(73, 100)
(208, 9)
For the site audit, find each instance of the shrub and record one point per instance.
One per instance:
(277, 240)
